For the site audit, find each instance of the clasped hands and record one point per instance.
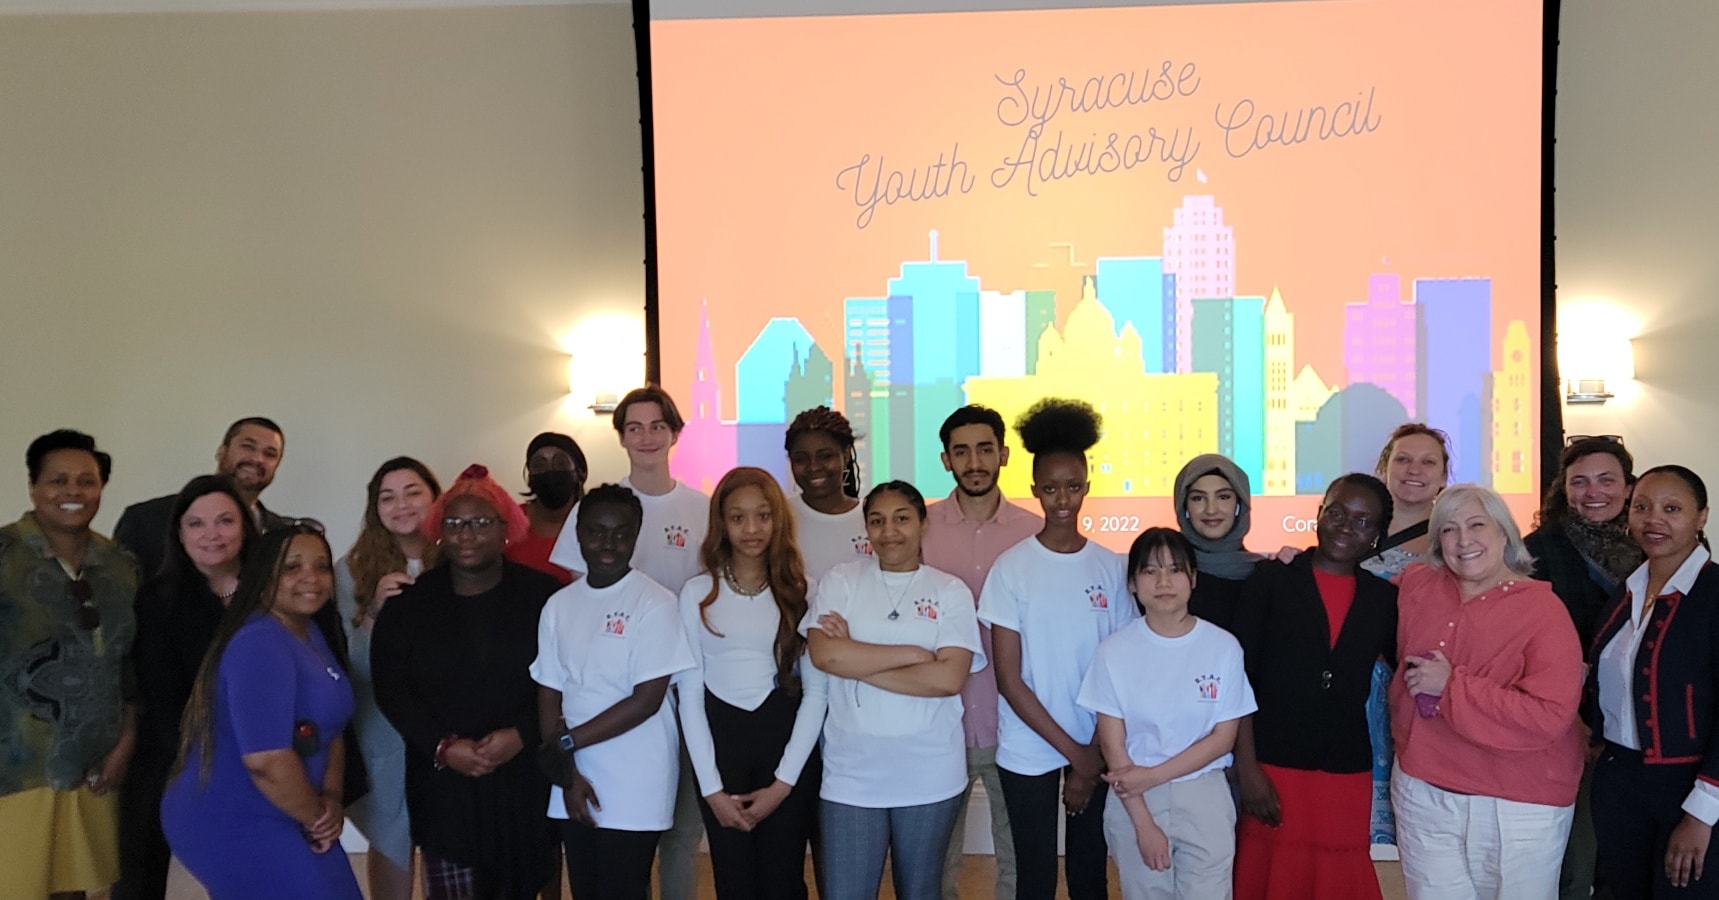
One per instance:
(483, 756)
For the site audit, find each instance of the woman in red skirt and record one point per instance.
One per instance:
(1311, 631)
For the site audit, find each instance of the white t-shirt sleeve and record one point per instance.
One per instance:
(998, 605)
(662, 646)
(808, 721)
(829, 595)
(566, 552)
(958, 620)
(1122, 607)
(546, 669)
(694, 725)
(1097, 689)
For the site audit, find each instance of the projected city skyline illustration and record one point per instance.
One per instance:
(1160, 343)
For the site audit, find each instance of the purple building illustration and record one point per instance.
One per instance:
(1200, 251)
(1379, 340)
(1453, 331)
(706, 450)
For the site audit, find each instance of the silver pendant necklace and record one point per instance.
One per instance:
(895, 601)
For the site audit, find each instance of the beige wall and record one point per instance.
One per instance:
(371, 226)
(1638, 215)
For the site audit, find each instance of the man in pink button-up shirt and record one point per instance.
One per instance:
(964, 534)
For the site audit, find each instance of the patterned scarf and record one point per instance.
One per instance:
(1605, 546)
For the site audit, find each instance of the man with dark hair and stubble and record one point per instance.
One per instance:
(249, 453)
(964, 535)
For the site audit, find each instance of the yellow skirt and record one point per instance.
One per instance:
(58, 841)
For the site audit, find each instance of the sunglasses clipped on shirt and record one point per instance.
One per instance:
(89, 617)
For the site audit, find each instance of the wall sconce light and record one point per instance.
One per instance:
(1587, 362)
(606, 359)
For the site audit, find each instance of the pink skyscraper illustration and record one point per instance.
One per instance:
(1200, 250)
(706, 450)
(1379, 340)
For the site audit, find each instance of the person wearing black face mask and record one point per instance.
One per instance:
(555, 476)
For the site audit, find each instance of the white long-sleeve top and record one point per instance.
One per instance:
(739, 668)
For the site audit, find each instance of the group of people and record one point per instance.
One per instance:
(489, 687)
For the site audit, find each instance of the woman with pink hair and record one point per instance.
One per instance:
(450, 658)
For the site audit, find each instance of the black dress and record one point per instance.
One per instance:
(445, 665)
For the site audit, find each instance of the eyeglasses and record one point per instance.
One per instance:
(89, 617)
(312, 524)
(1338, 516)
(1608, 438)
(470, 523)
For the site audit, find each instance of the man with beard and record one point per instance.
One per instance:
(249, 454)
(964, 534)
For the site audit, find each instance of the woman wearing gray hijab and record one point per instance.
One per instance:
(1213, 502)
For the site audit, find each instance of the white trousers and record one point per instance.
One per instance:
(1462, 847)
(1199, 818)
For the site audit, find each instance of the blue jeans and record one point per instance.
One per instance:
(857, 840)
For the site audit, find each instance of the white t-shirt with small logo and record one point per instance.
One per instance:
(884, 750)
(1169, 692)
(669, 537)
(1063, 605)
(595, 646)
(827, 541)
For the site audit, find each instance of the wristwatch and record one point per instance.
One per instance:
(566, 741)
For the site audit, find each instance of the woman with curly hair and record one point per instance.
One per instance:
(752, 709)
(828, 523)
(1050, 601)
(390, 553)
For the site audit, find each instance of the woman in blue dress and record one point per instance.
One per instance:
(256, 808)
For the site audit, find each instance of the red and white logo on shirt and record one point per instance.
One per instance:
(674, 536)
(925, 609)
(1096, 596)
(1207, 685)
(615, 624)
(862, 546)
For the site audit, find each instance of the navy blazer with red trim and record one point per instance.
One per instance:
(1676, 675)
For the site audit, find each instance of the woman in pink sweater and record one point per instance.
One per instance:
(1483, 712)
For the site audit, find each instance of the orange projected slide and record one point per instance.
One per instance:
(1272, 230)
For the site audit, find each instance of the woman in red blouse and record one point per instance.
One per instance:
(1483, 711)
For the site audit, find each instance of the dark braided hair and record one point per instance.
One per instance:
(836, 425)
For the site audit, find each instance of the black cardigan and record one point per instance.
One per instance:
(1312, 697)
(448, 665)
(1558, 561)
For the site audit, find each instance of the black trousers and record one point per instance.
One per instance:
(1636, 806)
(1035, 804)
(144, 856)
(768, 862)
(608, 864)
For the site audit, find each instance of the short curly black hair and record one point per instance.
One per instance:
(1058, 425)
(64, 439)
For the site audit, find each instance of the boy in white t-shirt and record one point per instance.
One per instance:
(607, 647)
(1169, 691)
(674, 521)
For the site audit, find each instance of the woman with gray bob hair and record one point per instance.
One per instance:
(1452, 501)
(1483, 711)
